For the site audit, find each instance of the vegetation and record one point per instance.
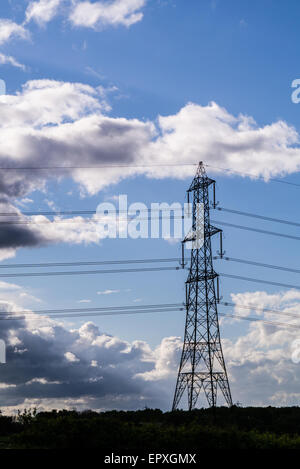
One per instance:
(145, 431)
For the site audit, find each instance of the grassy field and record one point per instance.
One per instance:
(148, 430)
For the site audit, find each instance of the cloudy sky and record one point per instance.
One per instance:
(135, 84)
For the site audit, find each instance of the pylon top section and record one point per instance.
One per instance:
(201, 170)
(200, 178)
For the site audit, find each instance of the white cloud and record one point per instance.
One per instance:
(42, 11)
(71, 357)
(40, 231)
(115, 13)
(69, 121)
(107, 292)
(23, 202)
(6, 386)
(247, 303)
(9, 286)
(49, 366)
(7, 59)
(86, 13)
(9, 30)
(56, 121)
(213, 135)
(41, 381)
(77, 230)
(166, 359)
(80, 13)
(15, 293)
(260, 363)
(7, 253)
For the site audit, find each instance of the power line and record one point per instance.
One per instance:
(49, 213)
(258, 264)
(128, 308)
(142, 269)
(241, 227)
(159, 215)
(255, 215)
(231, 225)
(119, 313)
(150, 165)
(173, 217)
(111, 309)
(81, 263)
(257, 230)
(261, 310)
(79, 212)
(255, 176)
(95, 314)
(88, 272)
(145, 311)
(142, 261)
(272, 323)
(256, 280)
(87, 222)
(74, 312)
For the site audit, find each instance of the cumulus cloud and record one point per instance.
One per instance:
(9, 30)
(9, 286)
(260, 365)
(247, 303)
(65, 124)
(85, 13)
(48, 365)
(101, 13)
(38, 231)
(42, 11)
(80, 13)
(210, 133)
(165, 357)
(68, 124)
(12, 293)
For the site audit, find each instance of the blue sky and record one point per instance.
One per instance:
(242, 55)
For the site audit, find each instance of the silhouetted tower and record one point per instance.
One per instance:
(202, 365)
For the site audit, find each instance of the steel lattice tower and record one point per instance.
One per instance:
(202, 364)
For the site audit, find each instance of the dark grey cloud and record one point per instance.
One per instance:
(16, 236)
(51, 362)
(51, 123)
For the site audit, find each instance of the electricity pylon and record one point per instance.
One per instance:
(202, 365)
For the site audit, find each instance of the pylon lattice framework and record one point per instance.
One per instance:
(202, 365)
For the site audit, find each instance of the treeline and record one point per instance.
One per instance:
(148, 430)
